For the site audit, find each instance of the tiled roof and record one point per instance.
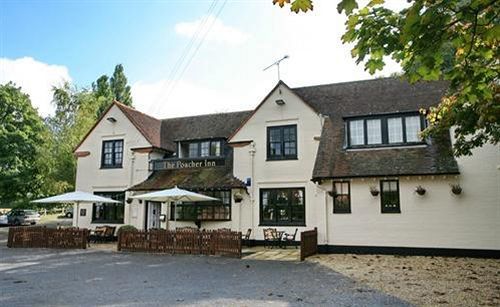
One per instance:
(218, 177)
(378, 96)
(149, 127)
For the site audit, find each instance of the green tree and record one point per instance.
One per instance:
(22, 133)
(102, 92)
(119, 86)
(453, 40)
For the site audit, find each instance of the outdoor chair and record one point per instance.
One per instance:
(271, 237)
(245, 238)
(289, 239)
(102, 234)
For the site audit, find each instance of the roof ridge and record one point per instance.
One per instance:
(346, 82)
(208, 114)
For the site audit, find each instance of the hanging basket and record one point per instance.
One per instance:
(456, 189)
(374, 191)
(420, 190)
(238, 198)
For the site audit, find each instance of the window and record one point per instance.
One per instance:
(112, 154)
(109, 213)
(282, 207)
(215, 148)
(342, 197)
(374, 131)
(395, 130)
(389, 196)
(193, 150)
(386, 130)
(282, 142)
(200, 149)
(205, 149)
(204, 211)
(412, 124)
(357, 132)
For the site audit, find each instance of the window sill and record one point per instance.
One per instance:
(341, 212)
(282, 159)
(391, 212)
(111, 167)
(387, 146)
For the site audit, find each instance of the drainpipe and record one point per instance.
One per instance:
(252, 176)
(131, 182)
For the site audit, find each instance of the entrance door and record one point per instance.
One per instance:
(153, 219)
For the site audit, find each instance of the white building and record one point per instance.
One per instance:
(345, 158)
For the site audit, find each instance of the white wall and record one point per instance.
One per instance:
(91, 178)
(278, 174)
(437, 219)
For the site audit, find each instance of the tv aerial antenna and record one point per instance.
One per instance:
(277, 64)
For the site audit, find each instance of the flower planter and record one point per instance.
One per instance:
(456, 189)
(238, 198)
(374, 191)
(420, 190)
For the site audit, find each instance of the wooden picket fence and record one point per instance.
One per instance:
(205, 242)
(308, 243)
(43, 237)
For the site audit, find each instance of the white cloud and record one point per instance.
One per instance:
(35, 79)
(219, 32)
(186, 99)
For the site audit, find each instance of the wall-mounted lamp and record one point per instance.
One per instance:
(111, 119)
(280, 102)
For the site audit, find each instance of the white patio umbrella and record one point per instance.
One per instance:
(174, 195)
(76, 197)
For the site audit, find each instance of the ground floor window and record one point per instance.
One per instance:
(282, 207)
(109, 213)
(204, 211)
(389, 196)
(341, 197)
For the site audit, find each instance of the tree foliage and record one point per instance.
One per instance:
(119, 87)
(21, 133)
(453, 40)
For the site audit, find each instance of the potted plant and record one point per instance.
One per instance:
(456, 189)
(332, 193)
(238, 198)
(374, 191)
(129, 200)
(420, 190)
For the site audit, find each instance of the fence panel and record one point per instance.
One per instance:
(42, 237)
(308, 243)
(206, 242)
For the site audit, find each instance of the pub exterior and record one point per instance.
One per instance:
(345, 158)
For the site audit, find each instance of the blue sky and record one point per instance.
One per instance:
(45, 42)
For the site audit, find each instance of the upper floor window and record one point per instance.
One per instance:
(384, 130)
(282, 142)
(112, 154)
(198, 149)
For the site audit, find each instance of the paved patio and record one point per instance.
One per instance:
(276, 254)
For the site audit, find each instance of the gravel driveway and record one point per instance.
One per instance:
(89, 278)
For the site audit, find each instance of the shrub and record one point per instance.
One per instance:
(126, 228)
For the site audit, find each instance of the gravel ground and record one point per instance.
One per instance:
(424, 281)
(44, 277)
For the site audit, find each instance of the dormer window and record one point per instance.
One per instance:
(200, 149)
(384, 130)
